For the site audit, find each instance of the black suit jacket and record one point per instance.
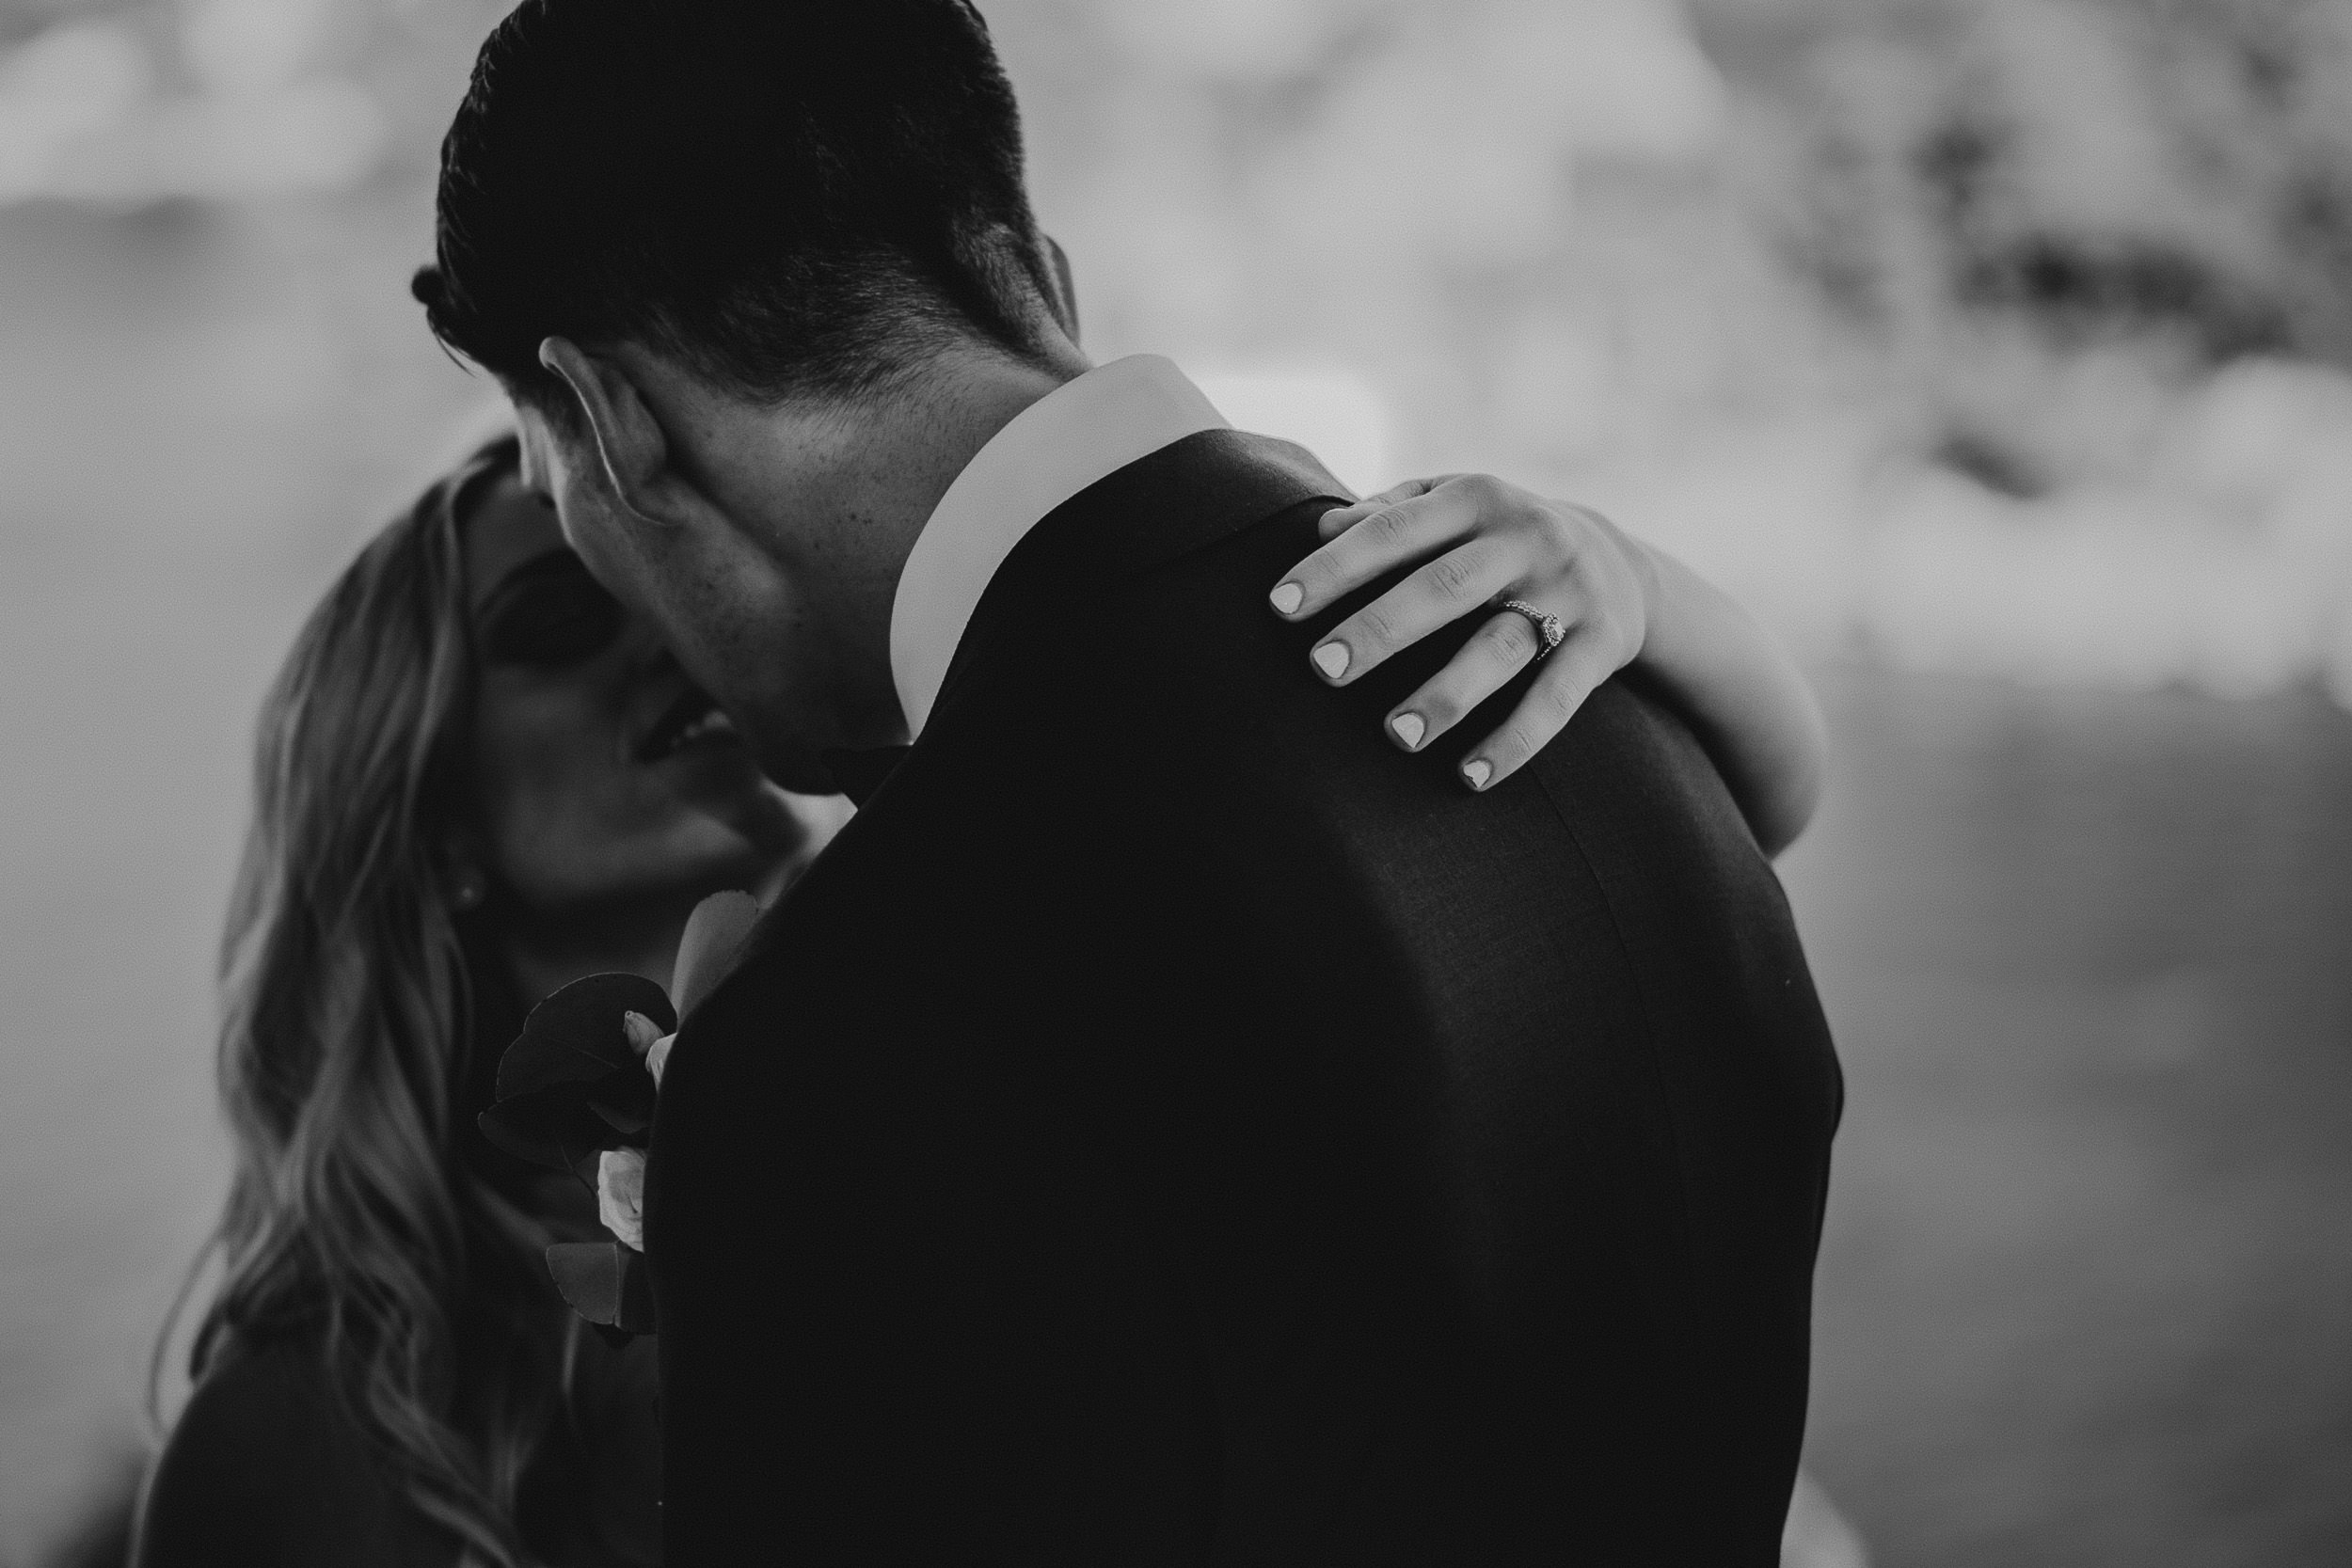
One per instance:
(1170, 1125)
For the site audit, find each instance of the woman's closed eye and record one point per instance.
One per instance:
(550, 613)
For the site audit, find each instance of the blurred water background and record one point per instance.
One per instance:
(1995, 350)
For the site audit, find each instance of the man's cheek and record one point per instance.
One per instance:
(574, 511)
(589, 527)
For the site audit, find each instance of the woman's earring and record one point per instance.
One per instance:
(468, 891)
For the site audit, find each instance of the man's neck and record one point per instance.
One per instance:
(894, 461)
(1051, 453)
(945, 426)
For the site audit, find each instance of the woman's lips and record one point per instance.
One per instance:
(693, 717)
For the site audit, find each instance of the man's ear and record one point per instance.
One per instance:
(631, 446)
(1065, 301)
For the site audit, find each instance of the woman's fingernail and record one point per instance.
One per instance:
(1409, 729)
(1478, 770)
(1332, 659)
(1287, 597)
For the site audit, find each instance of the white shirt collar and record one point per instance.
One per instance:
(1077, 435)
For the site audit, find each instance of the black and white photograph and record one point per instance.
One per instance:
(1176, 782)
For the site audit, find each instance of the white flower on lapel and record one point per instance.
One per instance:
(645, 1037)
(713, 940)
(707, 950)
(621, 1195)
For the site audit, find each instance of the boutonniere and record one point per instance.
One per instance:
(576, 1093)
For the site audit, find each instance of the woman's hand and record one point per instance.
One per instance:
(1482, 541)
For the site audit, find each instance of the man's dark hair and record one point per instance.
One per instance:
(793, 195)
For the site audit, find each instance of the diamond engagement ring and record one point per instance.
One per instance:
(1548, 626)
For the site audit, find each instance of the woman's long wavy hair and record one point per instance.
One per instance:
(356, 1042)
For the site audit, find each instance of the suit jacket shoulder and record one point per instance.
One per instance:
(1169, 1119)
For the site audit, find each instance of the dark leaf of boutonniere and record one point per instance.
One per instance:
(557, 1127)
(575, 1036)
(604, 1282)
(624, 1099)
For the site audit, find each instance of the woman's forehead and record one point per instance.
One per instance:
(508, 527)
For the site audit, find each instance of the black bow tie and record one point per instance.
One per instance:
(858, 775)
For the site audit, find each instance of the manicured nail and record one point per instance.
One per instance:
(1332, 659)
(1287, 597)
(1478, 770)
(1409, 729)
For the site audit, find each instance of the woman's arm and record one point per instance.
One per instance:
(1744, 697)
(1480, 542)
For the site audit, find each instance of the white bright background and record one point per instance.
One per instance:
(1962, 338)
